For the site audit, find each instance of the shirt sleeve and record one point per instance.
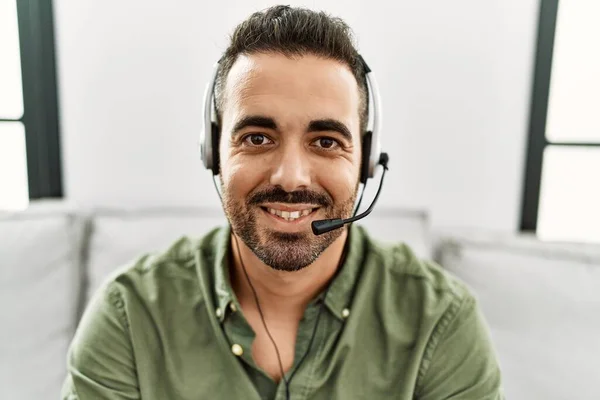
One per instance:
(460, 362)
(100, 362)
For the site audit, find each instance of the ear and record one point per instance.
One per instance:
(366, 153)
(216, 162)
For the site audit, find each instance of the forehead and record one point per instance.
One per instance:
(291, 89)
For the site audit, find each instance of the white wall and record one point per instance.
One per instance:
(455, 79)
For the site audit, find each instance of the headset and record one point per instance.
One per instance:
(371, 143)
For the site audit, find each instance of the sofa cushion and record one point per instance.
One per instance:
(40, 273)
(118, 236)
(394, 225)
(542, 303)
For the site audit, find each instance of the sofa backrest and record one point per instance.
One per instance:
(542, 303)
(119, 236)
(40, 276)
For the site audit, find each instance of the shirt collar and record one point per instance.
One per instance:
(339, 294)
(223, 290)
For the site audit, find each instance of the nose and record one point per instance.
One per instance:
(292, 171)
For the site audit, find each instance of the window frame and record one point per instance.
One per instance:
(40, 98)
(537, 142)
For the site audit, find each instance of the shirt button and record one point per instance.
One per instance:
(219, 313)
(345, 313)
(232, 307)
(237, 350)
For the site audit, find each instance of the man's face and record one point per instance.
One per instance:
(290, 153)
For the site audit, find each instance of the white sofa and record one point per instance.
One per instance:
(541, 301)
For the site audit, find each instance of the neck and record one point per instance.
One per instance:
(282, 291)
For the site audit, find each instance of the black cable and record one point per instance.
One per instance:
(218, 191)
(368, 211)
(312, 337)
(262, 317)
(360, 198)
(314, 332)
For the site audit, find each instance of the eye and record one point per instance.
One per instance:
(326, 143)
(257, 139)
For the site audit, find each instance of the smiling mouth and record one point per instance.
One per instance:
(289, 216)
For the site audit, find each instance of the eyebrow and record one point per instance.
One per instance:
(329, 124)
(254, 120)
(318, 125)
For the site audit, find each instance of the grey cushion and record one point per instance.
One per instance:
(119, 236)
(394, 225)
(40, 274)
(542, 302)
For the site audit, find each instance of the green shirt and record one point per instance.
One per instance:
(392, 327)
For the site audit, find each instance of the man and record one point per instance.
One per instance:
(265, 309)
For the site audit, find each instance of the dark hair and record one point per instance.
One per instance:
(294, 32)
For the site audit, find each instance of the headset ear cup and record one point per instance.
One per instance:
(216, 162)
(366, 154)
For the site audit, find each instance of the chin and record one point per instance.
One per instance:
(286, 251)
(281, 246)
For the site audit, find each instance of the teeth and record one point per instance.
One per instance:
(290, 215)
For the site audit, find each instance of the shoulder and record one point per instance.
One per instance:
(437, 311)
(399, 264)
(417, 292)
(160, 275)
(158, 289)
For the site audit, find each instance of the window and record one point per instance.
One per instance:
(29, 142)
(562, 183)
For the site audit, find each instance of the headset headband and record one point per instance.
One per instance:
(209, 134)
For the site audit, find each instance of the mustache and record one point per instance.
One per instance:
(278, 195)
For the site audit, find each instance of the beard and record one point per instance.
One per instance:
(283, 251)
